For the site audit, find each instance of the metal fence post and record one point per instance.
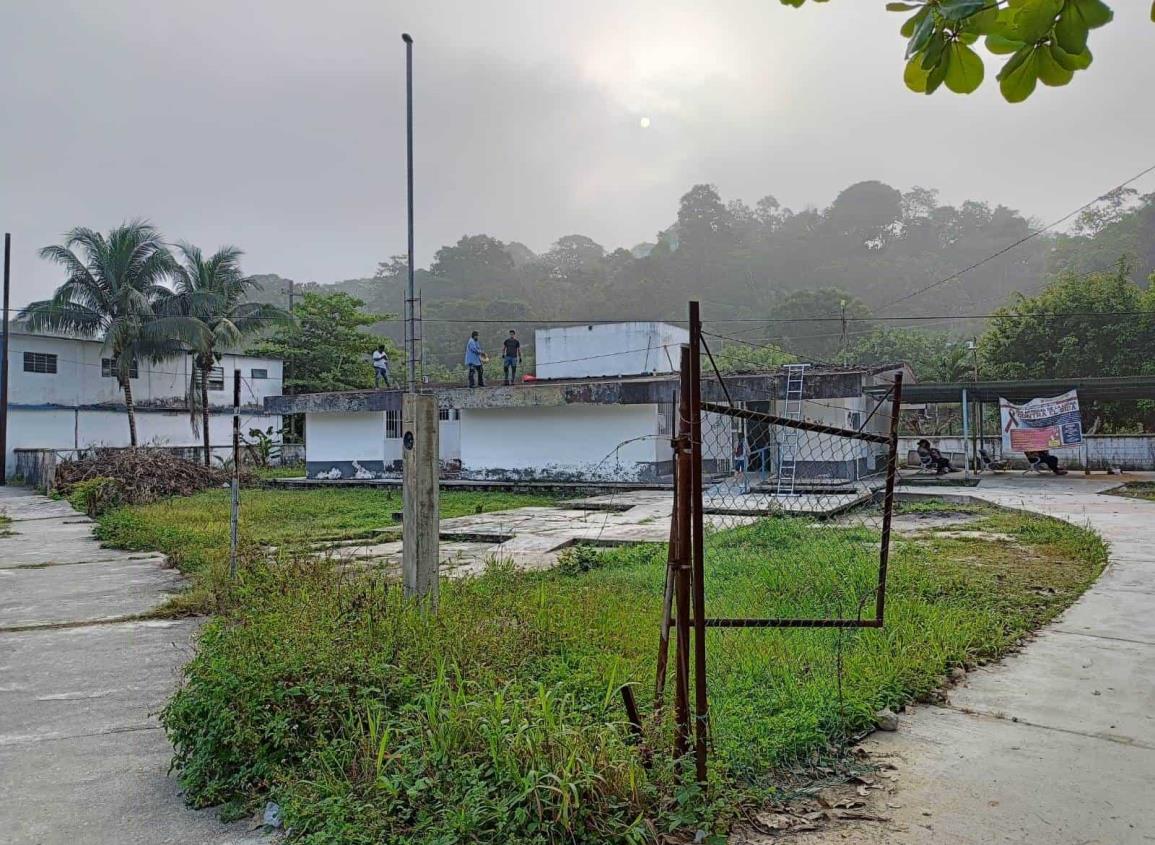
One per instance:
(888, 500)
(682, 566)
(701, 705)
(235, 511)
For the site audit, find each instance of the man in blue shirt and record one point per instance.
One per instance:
(474, 358)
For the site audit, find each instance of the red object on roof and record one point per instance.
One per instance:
(529, 377)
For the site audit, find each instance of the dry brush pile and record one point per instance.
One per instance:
(107, 478)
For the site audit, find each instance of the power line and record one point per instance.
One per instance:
(1020, 241)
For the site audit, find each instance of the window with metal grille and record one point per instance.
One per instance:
(445, 414)
(40, 362)
(258, 373)
(108, 369)
(216, 378)
(392, 424)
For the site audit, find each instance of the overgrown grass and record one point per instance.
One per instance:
(193, 531)
(498, 718)
(1136, 490)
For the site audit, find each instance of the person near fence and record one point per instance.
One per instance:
(511, 356)
(740, 460)
(932, 457)
(475, 360)
(1044, 456)
(380, 366)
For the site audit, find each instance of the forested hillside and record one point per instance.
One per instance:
(874, 252)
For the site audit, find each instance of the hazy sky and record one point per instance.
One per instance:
(277, 125)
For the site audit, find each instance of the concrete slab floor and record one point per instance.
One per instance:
(1057, 744)
(82, 757)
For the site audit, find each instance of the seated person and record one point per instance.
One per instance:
(989, 463)
(932, 457)
(1044, 456)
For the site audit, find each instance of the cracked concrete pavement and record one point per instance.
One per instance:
(1056, 744)
(82, 757)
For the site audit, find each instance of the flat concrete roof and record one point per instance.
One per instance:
(821, 383)
(1105, 388)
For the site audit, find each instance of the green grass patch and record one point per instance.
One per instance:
(1136, 490)
(498, 719)
(193, 531)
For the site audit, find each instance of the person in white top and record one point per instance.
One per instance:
(380, 366)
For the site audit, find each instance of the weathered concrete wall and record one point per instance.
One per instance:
(614, 349)
(75, 428)
(579, 443)
(79, 382)
(1103, 451)
(349, 445)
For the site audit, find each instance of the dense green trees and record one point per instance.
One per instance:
(326, 347)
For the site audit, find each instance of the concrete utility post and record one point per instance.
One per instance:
(420, 529)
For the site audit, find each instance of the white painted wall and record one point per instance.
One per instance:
(578, 441)
(609, 349)
(346, 437)
(74, 428)
(78, 380)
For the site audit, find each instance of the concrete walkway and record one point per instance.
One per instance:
(1056, 745)
(82, 758)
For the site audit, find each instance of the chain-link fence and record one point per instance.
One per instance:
(782, 536)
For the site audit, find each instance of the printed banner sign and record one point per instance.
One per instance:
(1041, 423)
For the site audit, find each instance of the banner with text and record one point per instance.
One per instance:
(1041, 423)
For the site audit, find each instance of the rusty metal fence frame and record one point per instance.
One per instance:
(684, 607)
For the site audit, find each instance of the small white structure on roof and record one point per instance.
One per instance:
(608, 349)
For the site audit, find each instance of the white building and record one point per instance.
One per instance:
(590, 421)
(608, 349)
(63, 395)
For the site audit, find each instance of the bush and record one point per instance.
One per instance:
(96, 496)
(372, 721)
(578, 559)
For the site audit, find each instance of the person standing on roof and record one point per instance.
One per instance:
(474, 359)
(380, 366)
(511, 356)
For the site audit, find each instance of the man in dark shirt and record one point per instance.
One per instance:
(511, 356)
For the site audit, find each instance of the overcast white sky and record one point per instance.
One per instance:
(277, 125)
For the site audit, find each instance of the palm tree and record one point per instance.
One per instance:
(209, 295)
(114, 282)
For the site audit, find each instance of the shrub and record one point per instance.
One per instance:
(96, 496)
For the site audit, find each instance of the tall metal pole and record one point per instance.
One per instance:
(410, 295)
(235, 509)
(4, 363)
(697, 575)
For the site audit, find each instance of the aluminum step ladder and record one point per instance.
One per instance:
(788, 446)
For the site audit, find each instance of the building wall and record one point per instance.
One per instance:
(366, 444)
(83, 428)
(78, 380)
(575, 442)
(1103, 451)
(350, 445)
(613, 349)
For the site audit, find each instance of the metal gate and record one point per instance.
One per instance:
(780, 521)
